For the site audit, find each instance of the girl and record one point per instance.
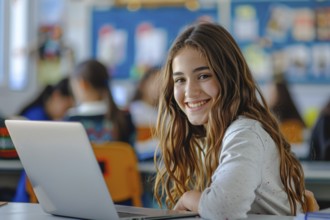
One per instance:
(51, 104)
(282, 104)
(144, 113)
(96, 109)
(222, 153)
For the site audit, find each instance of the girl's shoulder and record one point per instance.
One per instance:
(248, 132)
(36, 113)
(243, 123)
(247, 127)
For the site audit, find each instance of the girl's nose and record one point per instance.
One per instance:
(192, 90)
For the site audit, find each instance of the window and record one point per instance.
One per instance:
(18, 45)
(14, 44)
(2, 70)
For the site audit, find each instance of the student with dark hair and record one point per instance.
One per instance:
(320, 138)
(144, 113)
(51, 104)
(283, 106)
(96, 108)
(222, 153)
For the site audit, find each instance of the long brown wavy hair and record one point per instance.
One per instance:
(190, 154)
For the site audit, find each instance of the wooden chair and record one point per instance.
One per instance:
(120, 170)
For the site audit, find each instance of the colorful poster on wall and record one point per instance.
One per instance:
(245, 23)
(291, 37)
(322, 23)
(143, 36)
(303, 27)
(54, 58)
(50, 50)
(150, 47)
(111, 45)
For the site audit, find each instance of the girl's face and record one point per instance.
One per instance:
(195, 85)
(151, 92)
(58, 105)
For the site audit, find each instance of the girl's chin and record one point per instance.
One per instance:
(198, 122)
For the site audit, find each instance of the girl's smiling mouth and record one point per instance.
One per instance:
(194, 105)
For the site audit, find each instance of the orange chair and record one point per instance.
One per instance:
(143, 133)
(293, 130)
(120, 170)
(30, 192)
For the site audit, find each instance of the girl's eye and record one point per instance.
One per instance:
(178, 80)
(204, 76)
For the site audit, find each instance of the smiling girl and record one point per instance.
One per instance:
(222, 152)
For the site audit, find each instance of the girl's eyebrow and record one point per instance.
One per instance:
(177, 74)
(201, 68)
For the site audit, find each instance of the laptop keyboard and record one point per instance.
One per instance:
(127, 215)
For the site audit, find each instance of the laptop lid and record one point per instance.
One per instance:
(65, 175)
(62, 168)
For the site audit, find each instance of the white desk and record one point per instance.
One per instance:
(29, 211)
(316, 171)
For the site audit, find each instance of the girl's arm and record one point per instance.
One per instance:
(189, 201)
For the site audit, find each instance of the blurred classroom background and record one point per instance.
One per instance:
(41, 41)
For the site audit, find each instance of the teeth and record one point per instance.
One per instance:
(196, 104)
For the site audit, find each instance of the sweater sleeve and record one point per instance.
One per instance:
(238, 175)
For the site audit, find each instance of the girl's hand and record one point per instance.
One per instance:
(189, 201)
(312, 205)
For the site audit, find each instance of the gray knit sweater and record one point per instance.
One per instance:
(247, 180)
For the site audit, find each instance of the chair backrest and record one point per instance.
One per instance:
(30, 192)
(143, 133)
(119, 165)
(293, 130)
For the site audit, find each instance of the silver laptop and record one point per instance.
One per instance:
(65, 175)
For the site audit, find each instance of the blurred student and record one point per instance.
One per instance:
(282, 105)
(51, 104)
(144, 113)
(320, 137)
(222, 153)
(96, 108)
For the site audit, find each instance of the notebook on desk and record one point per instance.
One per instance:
(65, 175)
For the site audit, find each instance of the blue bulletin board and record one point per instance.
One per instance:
(129, 41)
(292, 37)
